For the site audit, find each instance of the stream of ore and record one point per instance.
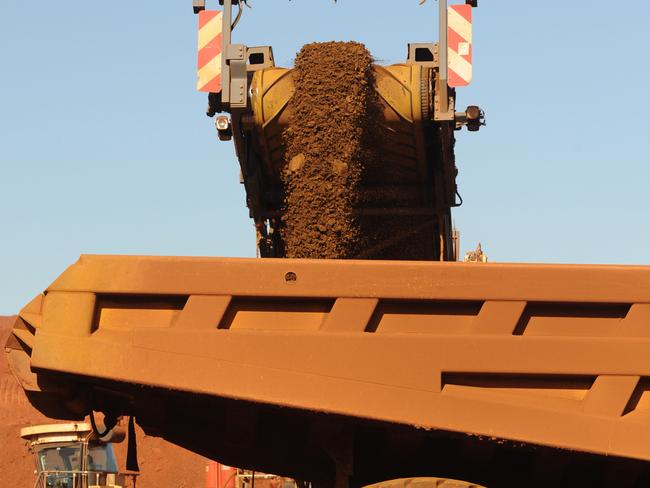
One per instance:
(326, 146)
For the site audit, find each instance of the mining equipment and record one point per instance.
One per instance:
(414, 123)
(73, 456)
(349, 372)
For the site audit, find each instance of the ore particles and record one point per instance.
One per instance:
(326, 145)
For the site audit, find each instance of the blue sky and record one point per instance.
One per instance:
(104, 147)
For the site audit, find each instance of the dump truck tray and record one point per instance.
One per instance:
(301, 367)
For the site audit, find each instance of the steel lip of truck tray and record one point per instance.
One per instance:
(548, 355)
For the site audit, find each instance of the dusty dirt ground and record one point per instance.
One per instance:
(161, 464)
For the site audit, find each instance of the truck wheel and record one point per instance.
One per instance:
(424, 483)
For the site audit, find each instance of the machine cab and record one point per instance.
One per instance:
(72, 456)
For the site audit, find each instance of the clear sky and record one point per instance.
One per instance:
(104, 147)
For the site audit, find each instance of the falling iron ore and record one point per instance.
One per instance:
(325, 150)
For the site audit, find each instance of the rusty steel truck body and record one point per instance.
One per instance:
(348, 372)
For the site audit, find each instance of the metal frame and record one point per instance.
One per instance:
(234, 91)
(444, 107)
(234, 94)
(442, 56)
(234, 84)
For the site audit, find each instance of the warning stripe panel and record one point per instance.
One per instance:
(453, 79)
(213, 86)
(207, 54)
(206, 16)
(210, 76)
(465, 11)
(459, 38)
(461, 67)
(210, 46)
(207, 32)
(460, 46)
(459, 23)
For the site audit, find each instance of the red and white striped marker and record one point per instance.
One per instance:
(459, 39)
(210, 47)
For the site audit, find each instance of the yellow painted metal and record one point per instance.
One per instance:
(401, 90)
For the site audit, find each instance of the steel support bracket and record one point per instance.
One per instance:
(449, 114)
(425, 54)
(441, 105)
(259, 58)
(443, 101)
(233, 69)
(238, 79)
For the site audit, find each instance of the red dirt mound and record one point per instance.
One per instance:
(16, 465)
(161, 464)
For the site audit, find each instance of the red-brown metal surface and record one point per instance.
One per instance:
(543, 355)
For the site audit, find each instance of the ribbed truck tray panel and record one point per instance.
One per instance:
(542, 355)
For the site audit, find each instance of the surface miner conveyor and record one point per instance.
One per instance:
(416, 119)
(351, 372)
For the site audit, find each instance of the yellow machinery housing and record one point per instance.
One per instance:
(417, 180)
